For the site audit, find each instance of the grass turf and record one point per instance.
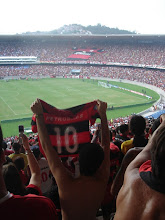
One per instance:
(16, 96)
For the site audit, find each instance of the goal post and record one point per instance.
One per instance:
(103, 84)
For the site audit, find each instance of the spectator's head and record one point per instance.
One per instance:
(90, 158)
(117, 129)
(124, 129)
(158, 158)
(16, 147)
(12, 179)
(137, 125)
(36, 151)
(4, 144)
(155, 125)
(19, 163)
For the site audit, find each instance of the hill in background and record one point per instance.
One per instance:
(80, 29)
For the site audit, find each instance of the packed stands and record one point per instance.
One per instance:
(94, 59)
(152, 77)
(147, 54)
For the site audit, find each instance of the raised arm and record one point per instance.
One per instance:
(105, 137)
(58, 170)
(119, 178)
(33, 163)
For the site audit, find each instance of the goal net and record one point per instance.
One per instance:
(103, 84)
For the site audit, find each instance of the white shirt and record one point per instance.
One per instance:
(46, 180)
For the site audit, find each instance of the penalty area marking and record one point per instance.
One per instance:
(8, 106)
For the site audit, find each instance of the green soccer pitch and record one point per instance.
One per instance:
(16, 96)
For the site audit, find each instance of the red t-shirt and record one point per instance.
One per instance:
(8, 152)
(145, 167)
(28, 207)
(33, 189)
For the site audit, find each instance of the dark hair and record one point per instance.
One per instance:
(123, 128)
(90, 158)
(12, 179)
(158, 157)
(36, 151)
(16, 146)
(4, 145)
(113, 132)
(19, 163)
(137, 125)
(155, 124)
(117, 129)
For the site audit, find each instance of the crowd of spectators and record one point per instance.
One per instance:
(152, 77)
(57, 51)
(126, 134)
(132, 54)
(63, 195)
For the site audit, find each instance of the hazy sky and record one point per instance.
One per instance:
(142, 16)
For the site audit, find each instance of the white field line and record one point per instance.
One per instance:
(8, 106)
(14, 118)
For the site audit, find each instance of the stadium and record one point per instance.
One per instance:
(68, 73)
(101, 61)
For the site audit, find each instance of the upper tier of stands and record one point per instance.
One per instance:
(147, 54)
(104, 52)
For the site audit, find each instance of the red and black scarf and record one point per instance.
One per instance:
(68, 129)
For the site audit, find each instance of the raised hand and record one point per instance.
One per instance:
(36, 107)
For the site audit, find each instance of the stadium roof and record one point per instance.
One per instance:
(121, 38)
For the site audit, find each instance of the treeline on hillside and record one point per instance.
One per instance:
(80, 29)
(102, 29)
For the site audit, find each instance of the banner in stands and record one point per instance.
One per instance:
(68, 129)
(75, 71)
(83, 53)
